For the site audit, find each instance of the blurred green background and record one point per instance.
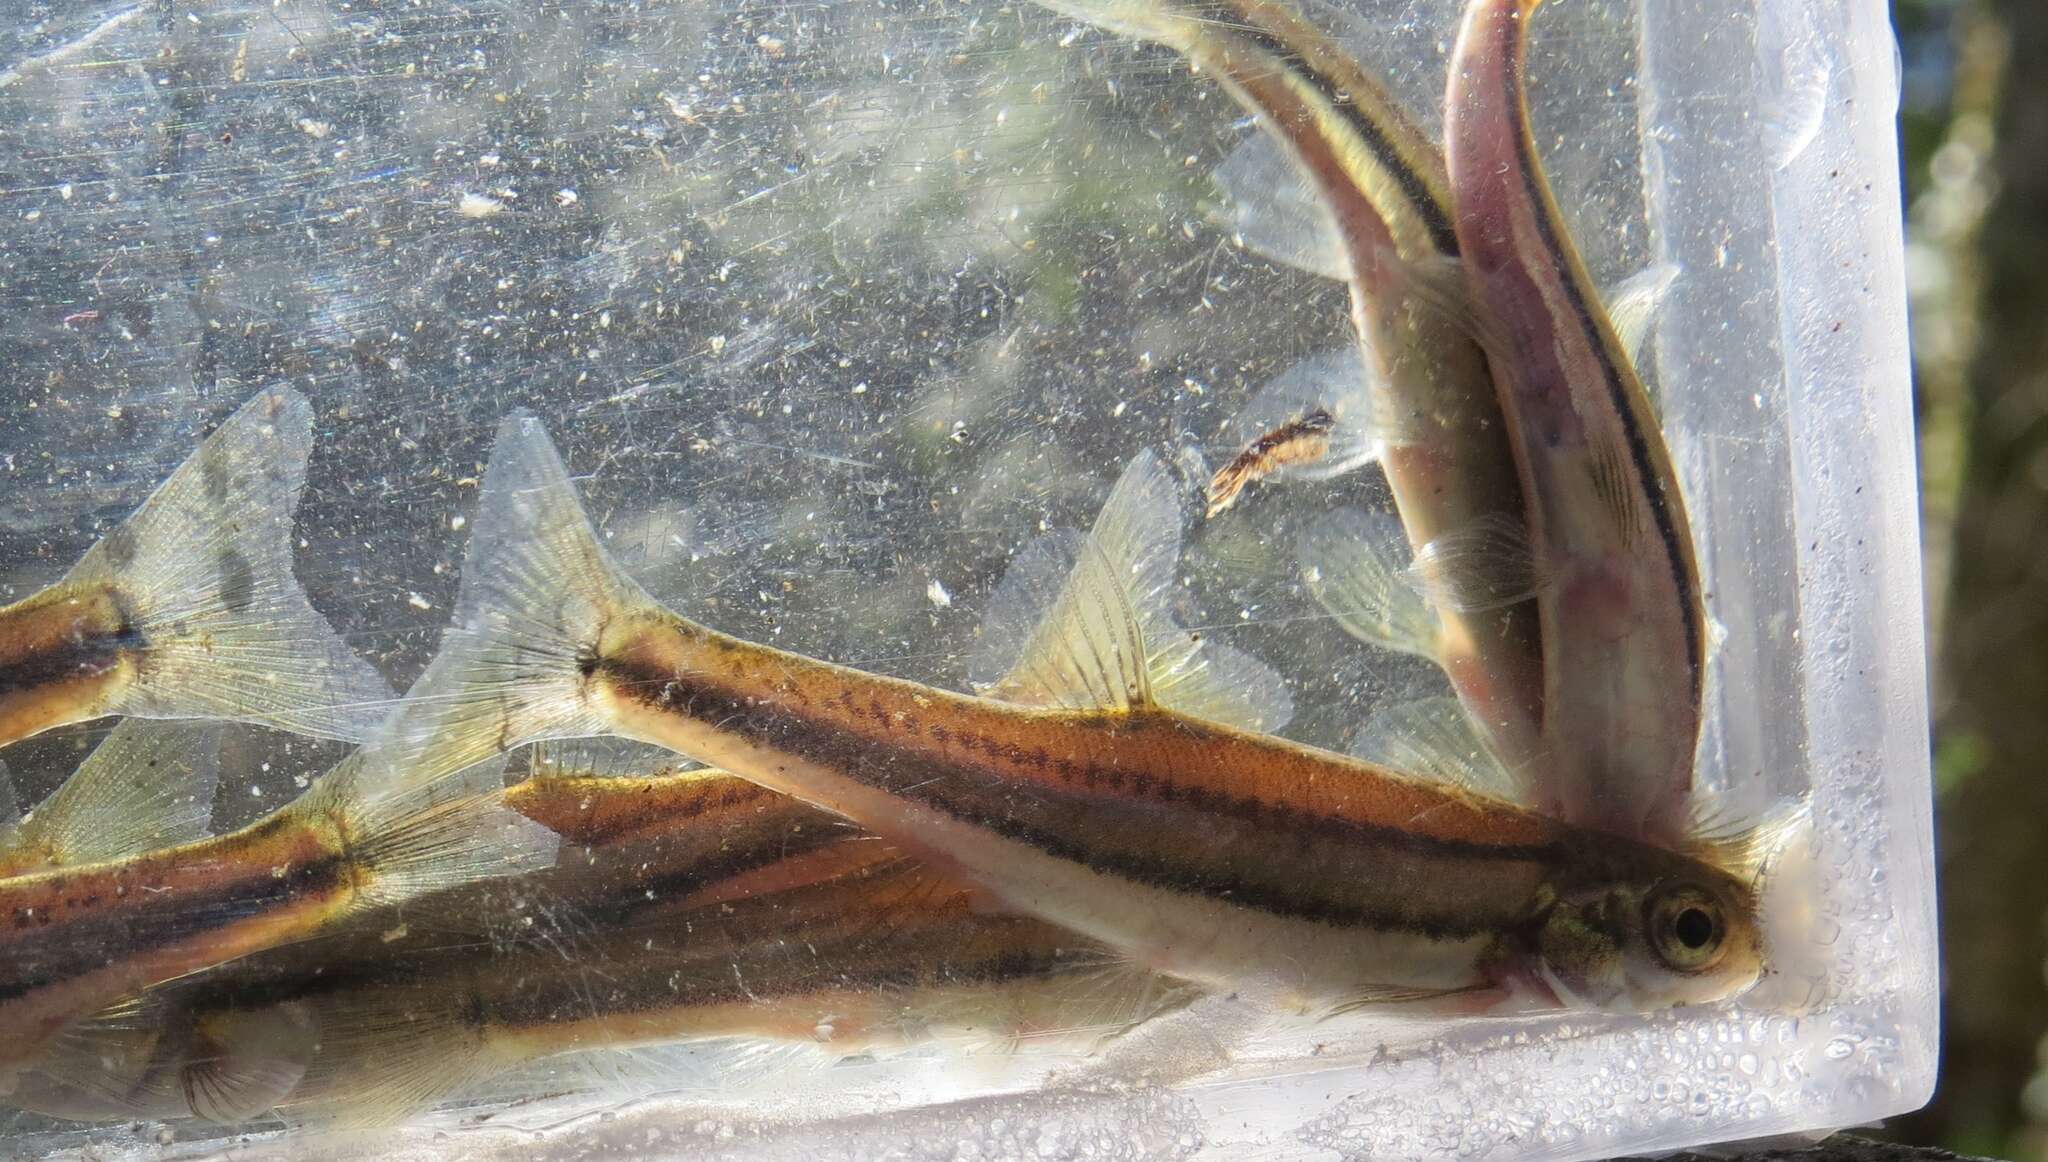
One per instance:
(1974, 125)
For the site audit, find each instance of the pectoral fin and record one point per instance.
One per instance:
(1273, 211)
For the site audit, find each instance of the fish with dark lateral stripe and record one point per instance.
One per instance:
(1118, 780)
(188, 609)
(1624, 624)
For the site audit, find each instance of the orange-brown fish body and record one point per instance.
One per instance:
(189, 609)
(66, 654)
(1205, 846)
(74, 939)
(699, 906)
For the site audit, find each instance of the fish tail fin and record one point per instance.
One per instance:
(149, 785)
(389, 1053)
(411, 837)
(204, 573)
(537, 591)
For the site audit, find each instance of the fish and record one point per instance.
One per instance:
(1623, 618)
(718, 911)
(1371, 206)
(1109, 783)
(188, 608)
(148, 784)
(378, 829)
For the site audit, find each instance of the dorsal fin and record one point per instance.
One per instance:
(1273, 211)
(1432, 738)
(1084, 621)
(149, 785)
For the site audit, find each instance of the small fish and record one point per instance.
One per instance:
(147, 785)
(1084, 789)
(725, 911)
(1370, 205)
(188, 609)
(380, 828)
(1624, 625)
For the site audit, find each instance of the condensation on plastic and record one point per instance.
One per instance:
(836, 307)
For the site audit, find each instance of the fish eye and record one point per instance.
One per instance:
(1687, 928)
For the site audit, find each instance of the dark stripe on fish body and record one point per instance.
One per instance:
(1435, 219)
(1534, 187)
(40, 951)
(937, 783)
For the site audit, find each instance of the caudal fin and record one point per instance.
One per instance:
(149, 785)
(537, 590)
(204, 572)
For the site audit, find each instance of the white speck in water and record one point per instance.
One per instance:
(315, 129)
(455, 523)
(417, 601)
(566, 197)
(32, 216)
(488, 161)
(64, 191)
(937, 595)
(478, 206)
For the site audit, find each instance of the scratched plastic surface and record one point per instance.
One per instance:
(836, 306)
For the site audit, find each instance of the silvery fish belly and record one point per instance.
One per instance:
(1184, 578)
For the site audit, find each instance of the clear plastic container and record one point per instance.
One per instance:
(837, 306)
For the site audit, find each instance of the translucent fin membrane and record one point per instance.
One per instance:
(204, 571)
(1273, 211)
(1433, 738)
(1634, 303)
(148, 785)
(1485, 565)
(241, 1065)
(604, 758)
(416, 836)
(101, 1068)
(1319, 419)
(10, 807)
(1357, 566)
(1085, 621)
(387, 1054)
(536, 590)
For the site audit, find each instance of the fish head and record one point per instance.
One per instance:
(1684, 933)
